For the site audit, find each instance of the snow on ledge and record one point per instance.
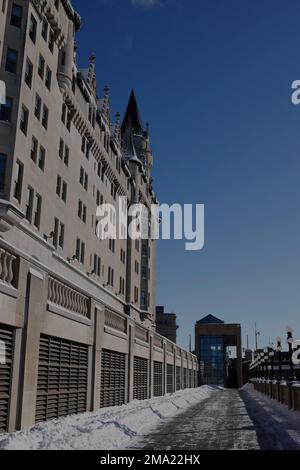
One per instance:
(106, 429)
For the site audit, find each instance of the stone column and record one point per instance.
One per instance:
(35, 308)
(99, 332)
(131, 338)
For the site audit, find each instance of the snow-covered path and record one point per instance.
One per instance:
(220, 422)
(198, 419)
(229, 419)
(277, 427)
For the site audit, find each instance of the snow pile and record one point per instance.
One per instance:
(107, 429)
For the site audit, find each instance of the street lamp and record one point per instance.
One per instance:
(262, 360)
(271, 355)
(290, 341)
(266, 353)
(279, 349)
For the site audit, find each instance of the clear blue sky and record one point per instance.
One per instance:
(213, 78)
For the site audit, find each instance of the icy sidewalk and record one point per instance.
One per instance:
(106, 429)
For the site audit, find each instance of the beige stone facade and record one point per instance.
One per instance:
(77, 314)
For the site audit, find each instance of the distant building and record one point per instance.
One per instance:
(166, 324)
(213, 338)
(248, 355)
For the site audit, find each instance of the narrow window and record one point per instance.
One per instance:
(16, 15)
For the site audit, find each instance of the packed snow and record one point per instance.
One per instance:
(107, 429)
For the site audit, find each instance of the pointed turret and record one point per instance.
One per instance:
(132, 120)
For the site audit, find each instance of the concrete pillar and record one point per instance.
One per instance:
(151, 367)
(96, 366)
(131, 338)
(35, 308)
(165, 369)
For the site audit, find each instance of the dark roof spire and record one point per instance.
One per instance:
(132, 117)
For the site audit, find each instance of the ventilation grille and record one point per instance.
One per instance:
(190, 379)
(62, 378)
(158, 379)
(170, 378)
(112, 378)
(140, 379)
(184, 378)
(178, 381)
(6, 355)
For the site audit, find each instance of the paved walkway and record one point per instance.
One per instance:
(217, 423)
(229, 419)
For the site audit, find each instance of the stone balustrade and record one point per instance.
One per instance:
(7, 267)
(68, 298)
(115, 321)
(141, 334)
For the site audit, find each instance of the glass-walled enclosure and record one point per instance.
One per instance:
(213, 360)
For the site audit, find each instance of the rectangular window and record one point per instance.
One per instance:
(37, 211)
(32, 28)
(69, 121)
(48, 78)
(81, 177)
(24, 120)
(51, 41)
(34, 149)
(18, 181)
(45, 117)
(16, 15)
(63, 113)
(42, 158)
(61, 239)
(78, 245)
(58, 185)
(29, 204)
(64, 191)
(82, 253)
(2, 170)
(28, 73)
(143, 298)
(45, 29)
(84, 214)
(67, 154)
(41, 67)
(6, 110)
(38, 107)
(11, 61)
(55, 232)
(61, 149)
(144, 272)
(97, 265)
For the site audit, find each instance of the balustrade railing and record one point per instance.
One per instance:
(115, 321)
(8, 268)
(68, 298)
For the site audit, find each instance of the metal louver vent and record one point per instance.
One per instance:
(140, 379)
(190, 379)
(170, 378)
(184, 378)
(112, 378)
(158, 379)
(62, 378)
(6, 358)
(178, 378)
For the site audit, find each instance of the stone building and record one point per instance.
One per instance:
(77, 313)
(166, 324)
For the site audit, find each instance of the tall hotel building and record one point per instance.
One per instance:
(77, 314)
